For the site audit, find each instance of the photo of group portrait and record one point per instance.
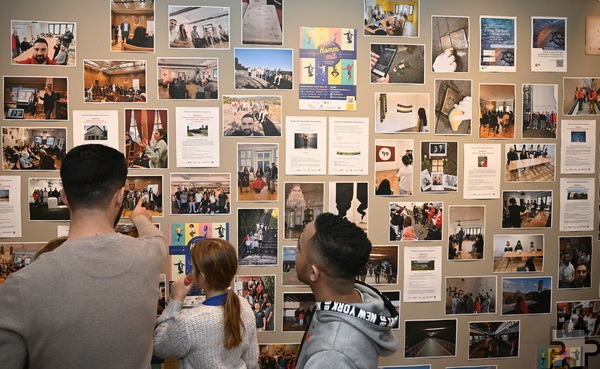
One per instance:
(45, 202)
(470, 295)
(257, 236)
(297, 311)
(34, 98)
(575, 262)
(114, 81)
(264, 69)
(132, 25)
(540, 110)
(146, 141)
(258, 172)
(580, 96)
(259, 291)
(43, 43)
(200, 193)
(147, 188)
(33, 148)
(252, 115)
(188, 78)
(199, 27)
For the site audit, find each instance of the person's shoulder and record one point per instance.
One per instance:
(237, 132)
(256, 133)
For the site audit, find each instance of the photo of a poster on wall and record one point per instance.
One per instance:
(548, 44)
(498, 52)
(327, 68)
(482, 171)
(578, 146)
(576, 204)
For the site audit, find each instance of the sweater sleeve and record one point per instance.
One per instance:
(250, 356)
(145, 228)
(13, 348)
(329, 359)
(170, 333)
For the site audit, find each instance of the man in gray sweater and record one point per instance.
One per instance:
(91, 303)
(352, 323)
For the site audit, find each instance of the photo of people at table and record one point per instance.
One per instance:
(33, 148)
(530, 162)
(43, 43)
(392, 18)
(575, 262)
(518, 253)
(527, 209)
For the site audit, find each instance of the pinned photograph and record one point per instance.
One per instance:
(297, 311)
(200, 193)
(526, 295)
(259, 291)
(148, 188)
(114, 81)
(16, 256)
(146, 141)
(304, 201)
(257, 236)
(43, 43)
(33, 148)
(411, 221)
(350, 200)
(580, 96)
(530, 163)
(527, 209)
(262, 22)
(497, 110)
(498, 51)
(466, 232)
(188, 78)
(394, 167)
(289, 276)
(264, 69)
(540, 110)
(575, 264)
(258, 172)
(430, 338)
(453, 107)
(398, 63)
(252, 115)
(577, 319)
(47, 205)
(34, 98)
(401, 112)
(197, 232)
(403, 21)
(382, 267)
(439, 166)
(284, 353)
(132, 26)
(494, 339)
(471, 295)
(449, 44)
(518, 253)
(199, 27)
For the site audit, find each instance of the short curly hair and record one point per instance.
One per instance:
(342, 245)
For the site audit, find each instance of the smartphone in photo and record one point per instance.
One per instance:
(384, 62)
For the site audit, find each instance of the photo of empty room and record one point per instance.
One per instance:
(114, 81)
(188, 78)
(36, 98)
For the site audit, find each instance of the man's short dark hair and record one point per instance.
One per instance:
(248, 115)
(91, 174)
(41, 40)
(343, 245)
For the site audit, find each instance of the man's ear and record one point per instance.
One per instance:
(63, 197)
(118, 196)
(315, 273)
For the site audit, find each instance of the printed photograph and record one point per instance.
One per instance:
(577, 319)
(186, 234)
(401, 112)
(188, 78)
(285, 354)
(114, 81)
(522, 253)
(350, 200)
(471, 295)
(199, 27)
(252, 115)
(411, 221)
(494, 339)
(304, 202)
(43, 43)
(439, 166)
(306, 141)
(258, 172)
(393, 19)
(146, 141)
(530, 163)
(297, 311)
(257, 236)
(540, 111)
(497, 110)
(148, 188)
(132, 26)
(473, 367)
(580, 96)
(262, 22)
(33, 148)
(449, 44)
(289, 276)
(498, 49)
(264, 69)
(382, 267)
(47, 204)
(453, 107)
(526, 295)
(575, 264)
(527, 209)
(394, 297)
(200, 193)
(259, 291)
(398, 63)
(16, 256)
(33, 98)
(430, 338)
(466, 232)
(394, 167)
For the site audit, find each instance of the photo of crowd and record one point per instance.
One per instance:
(526, 295)
(188, 78)
(147, 188)
(33, 148)
(200, 193)
(470, 295)
(410, 221)
(527, 209)
(258, 236)
(251, 116)
(146, 141)
(575, 264)
(258, 172)
(270, 69)
(259, 291)
(43, 43)
(34, 98)
(44, 200)
(497, 110)
(278, 355)
(577, 319)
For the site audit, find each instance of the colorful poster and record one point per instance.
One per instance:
(498, 44)
(327, 68)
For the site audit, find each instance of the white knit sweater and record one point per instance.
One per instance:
(196, 337)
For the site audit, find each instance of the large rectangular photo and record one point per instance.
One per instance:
(200, 193)
(252, 115)
(264, 69)
(36, 98)
(47, 205)
(398, 19)
(199, 27)
(43, 43)
(518, 253)
(33, 148)
(146, 141)
(471, 295)
(114, 81)
(188, 78)
(148, 188)
(132, 26)
(494, 339)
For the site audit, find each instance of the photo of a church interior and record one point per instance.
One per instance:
(188, 78)
(132, 25)
(28, 95)
(112, 81)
